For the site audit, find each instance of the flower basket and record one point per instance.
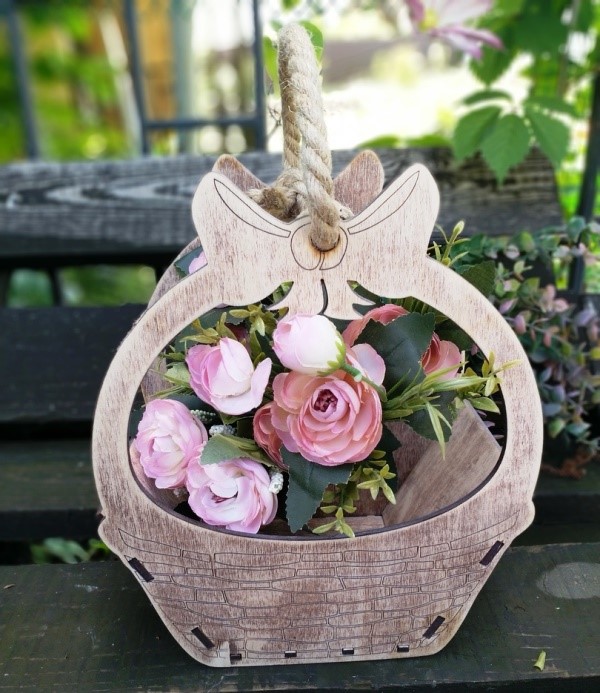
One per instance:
(404, 583)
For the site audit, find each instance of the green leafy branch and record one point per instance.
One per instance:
(425, 396)
(340, 500)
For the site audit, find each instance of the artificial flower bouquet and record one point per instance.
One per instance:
(262, 404)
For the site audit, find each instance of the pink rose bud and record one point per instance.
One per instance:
(233, 494)
(265, 435)
(519, 324)
(197, 263)
(383, 314)
(309, 344)
(224, 377)
(441, 353)
(168, 439)
(329, 420)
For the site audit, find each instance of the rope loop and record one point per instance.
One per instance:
(305, 184)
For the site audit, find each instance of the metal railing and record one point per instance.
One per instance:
(253, 123)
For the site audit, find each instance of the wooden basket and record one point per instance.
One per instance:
(398, 589)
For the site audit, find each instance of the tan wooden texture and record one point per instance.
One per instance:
(233, 599)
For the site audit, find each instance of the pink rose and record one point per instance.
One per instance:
(330, 420)
(224, 377)
(265, 435)
(168, 439)
(233, 494)
(309, 344)
(441, 354)
(197, 263)
(383, 314)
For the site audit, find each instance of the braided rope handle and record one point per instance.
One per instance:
(306, 182)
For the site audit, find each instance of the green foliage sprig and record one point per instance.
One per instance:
(560, 333)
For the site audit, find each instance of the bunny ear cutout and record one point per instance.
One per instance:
(237, 173)
(360, 182)
(407, 209)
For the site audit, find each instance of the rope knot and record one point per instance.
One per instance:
(305, 185)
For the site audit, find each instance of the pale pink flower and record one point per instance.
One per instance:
(197, 263)
(167, 440)
(265, 434)
(445, 19)
(224, 377)
(368, 361)
(309, 344)
(233, 494)
(330, 420)
(439, 354)
(383, 314)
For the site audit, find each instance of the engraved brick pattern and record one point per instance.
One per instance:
(372, 601)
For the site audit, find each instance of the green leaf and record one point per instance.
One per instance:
(493, 63)
(221, 447)
(178, 374)
(552, 135)
(316, 38)
(421, 423)
(401, 344)
(307, 482)
(481, 276)
(485, 404)
(472, 129)
(381, 142)
(270, 61)
(486, 95)
(434, 139)
(540, 29)
(551, 103)
(509, 7)
(506, 145)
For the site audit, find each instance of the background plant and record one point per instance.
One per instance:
(559, 332)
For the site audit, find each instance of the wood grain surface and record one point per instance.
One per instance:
(90, 628)
(53, 360)
(138, 210)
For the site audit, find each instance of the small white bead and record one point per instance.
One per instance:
(222, 429)
(276, 482)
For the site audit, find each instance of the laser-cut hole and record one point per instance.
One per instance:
(289, 654)
(141, 570)
(436, 623)
(204, 639)
(492, 553)
(347, 650)
(402, 648)
(235, 657)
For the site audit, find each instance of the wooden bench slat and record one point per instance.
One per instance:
(90, 627)
(53, 361)
(47, 490)
(139, 210)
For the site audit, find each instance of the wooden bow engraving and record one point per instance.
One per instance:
(257, 253)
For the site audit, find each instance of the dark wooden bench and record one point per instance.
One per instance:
(88, 626)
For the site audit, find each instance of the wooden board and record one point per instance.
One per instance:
(54, 214)
(90, 628)
(53, 360)
(47, 490)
